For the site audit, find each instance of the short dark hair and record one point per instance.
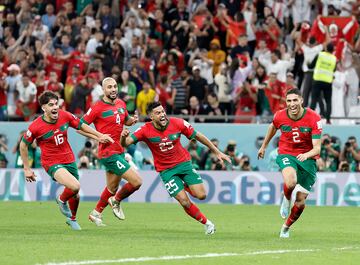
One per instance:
(352, 138)
(46, 96)
(277, 53)
(330, 47)
(295, 91)
(152, 106)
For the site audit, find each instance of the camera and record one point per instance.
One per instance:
(347, 144)
(326, 141)
(88, 144)
(231, 148)
(246, 163)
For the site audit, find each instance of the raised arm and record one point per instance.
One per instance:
(87, 131)
(269, 135)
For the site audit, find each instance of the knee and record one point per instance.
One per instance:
(184, 202)
(201, 196)
(291, 182)
(75, 187)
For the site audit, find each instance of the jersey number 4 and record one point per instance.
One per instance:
(118, 120)
(59, 139)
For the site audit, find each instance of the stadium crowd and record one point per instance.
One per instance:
(198, 57)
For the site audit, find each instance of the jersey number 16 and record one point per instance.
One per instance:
(59, 139)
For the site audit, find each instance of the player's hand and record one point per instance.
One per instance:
(105, 138)
(261, 153)
(221, 156)
(302, 157)
(29, 175)
(125, 133)
(135, 118)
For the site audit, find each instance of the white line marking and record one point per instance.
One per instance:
(200, 256)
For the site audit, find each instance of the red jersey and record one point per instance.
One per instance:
(108, 119)
(52, 138)
(165, 145)
(296, 136)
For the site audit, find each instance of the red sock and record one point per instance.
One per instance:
(73, 205)
(103, 201)
(288, 192)
(186, 187)
(295, 214)
(125, 192)
(66, 194)
(195, 213)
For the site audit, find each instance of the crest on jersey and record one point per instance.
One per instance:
(28, 133)
(121, 110)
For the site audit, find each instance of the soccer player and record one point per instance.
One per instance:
(109, 116)
(172, 160)
(57, 158)
(299, 146)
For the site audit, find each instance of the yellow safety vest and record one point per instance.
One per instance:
(325, 67)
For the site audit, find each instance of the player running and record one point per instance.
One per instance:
(172, 160)
(109, 116)
(299, 146)
(57, 158)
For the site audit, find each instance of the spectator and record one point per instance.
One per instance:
(49, 18)
(197, 86)
(223, 90)
(26, 104)
(196, 152)
(108, 21)
(275, 93)
(163, 93)
(234, 155)
(71, 81)
(89, 151)
(239, 71)
(39, 31)
(3, 99)
(11, 81)
(329, 154)
(33, 153)
(146, 96)
(217, 55)
(96, 89)
(241, 48)
(127, 91)
(272, 165)
(195, 108)
(245, 103)
(275, 65)
(213, 108)
(93, 43)
(179, 92)
(52, 83)
(351, 154)
(80, 97)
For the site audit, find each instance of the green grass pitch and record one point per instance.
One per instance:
(35, 233)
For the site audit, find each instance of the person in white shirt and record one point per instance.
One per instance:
(275, 65)
(301, 10)
(93, 43)
(26, 104)
(310, 51)
(39, 31)
(97, 90)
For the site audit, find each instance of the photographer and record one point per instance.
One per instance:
(245, 164)
(329, 154)
(90, 152)
(351, 153)
(234, 155)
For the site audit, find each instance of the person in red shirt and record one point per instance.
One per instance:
(299, 147)
(274, 93)
(109, 116)
(57, 158)
(172, 160)
(3, 97)
(55, 63)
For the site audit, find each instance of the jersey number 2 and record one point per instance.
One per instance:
(296, 136)
(59, 139)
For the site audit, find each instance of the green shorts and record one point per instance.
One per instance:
(174, 178)
(115, 164)
(72, 168)
(305, 171)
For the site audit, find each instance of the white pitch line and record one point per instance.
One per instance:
(200, 256)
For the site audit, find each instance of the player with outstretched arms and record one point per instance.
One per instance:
(57, 158)
(172, 160)
(299, 146)
(109, 115)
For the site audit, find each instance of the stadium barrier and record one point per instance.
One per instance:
(331, 189)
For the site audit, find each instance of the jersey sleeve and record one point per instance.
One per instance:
(30, 135)
(139, 134)
(74, 121)
(276, 120)
(186, 129)
(89, 116)
(316, 127)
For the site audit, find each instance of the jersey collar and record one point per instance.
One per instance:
(302, 116)
(42, 117)
(112, 104)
